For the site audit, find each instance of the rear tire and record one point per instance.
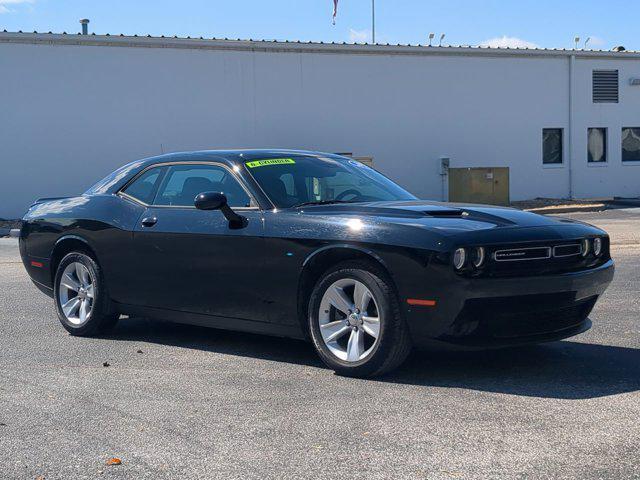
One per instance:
(81, 298)
(353, 343)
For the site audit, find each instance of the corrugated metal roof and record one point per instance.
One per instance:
(162, 41)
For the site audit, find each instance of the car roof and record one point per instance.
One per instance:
(117, 179)
(229, 157)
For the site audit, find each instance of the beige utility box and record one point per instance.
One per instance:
(479, 185)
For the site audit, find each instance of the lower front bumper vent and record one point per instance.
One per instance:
(521, 316)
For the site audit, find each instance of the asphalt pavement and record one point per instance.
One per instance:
(183, 402)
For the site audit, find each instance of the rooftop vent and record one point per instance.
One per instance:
(605, 86)
(85, 26)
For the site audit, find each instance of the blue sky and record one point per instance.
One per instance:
(543, 23)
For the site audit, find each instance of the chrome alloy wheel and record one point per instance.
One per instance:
(76, 293)
(349, 320)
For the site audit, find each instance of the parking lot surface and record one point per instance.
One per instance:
(186, 402)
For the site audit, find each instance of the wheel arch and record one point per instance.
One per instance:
(323, 259)
(65, 245)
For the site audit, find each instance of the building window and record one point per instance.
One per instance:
(631, 144)
(597, 145)
(552, 146)
(605, 86)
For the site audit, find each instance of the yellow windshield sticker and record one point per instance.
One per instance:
(271, 161)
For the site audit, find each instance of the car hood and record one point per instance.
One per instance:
(438, 214)
(454, 219)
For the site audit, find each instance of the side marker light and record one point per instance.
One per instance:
(422, 303)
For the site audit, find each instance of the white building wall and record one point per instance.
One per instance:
(72, 113)
(614, 177)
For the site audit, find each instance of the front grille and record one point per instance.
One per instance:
(520, 254)
(521, 316)
(567, 250)
(543, 258)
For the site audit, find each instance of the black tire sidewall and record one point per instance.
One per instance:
(380, 290)
(98, 312)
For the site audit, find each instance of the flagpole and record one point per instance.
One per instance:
(373, 21)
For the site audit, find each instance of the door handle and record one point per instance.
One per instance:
(149, 221)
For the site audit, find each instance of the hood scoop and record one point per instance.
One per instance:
(446, 213)
(391, 209)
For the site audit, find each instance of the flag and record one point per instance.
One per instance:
(335, 10)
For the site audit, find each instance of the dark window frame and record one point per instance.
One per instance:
(544, 154)
(606, 146)
(622, 149)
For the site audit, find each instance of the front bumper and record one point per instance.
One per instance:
(489, 312)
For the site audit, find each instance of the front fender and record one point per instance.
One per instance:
(356, 248)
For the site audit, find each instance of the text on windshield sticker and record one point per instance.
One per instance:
(271, 161)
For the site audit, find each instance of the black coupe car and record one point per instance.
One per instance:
(315, 246)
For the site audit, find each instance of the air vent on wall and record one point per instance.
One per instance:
(605, 86)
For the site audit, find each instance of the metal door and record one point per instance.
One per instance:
(479, 185)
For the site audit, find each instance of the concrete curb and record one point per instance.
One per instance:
(10, 232)
(598, 207)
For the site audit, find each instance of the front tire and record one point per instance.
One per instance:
(355, 321)
(80, 294)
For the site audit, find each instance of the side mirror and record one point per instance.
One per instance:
(218, 201)
(210, 200)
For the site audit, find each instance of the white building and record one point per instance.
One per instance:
(75, 107)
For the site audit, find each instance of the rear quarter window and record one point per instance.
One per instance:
(144, 187)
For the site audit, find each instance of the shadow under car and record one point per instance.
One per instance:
(562, 370)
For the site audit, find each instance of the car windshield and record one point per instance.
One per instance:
(300, 180)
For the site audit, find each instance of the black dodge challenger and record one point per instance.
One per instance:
(315, 246)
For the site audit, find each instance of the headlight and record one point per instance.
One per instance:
(459, 258)
(585, 247)
(597, 246)
(478, 257)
